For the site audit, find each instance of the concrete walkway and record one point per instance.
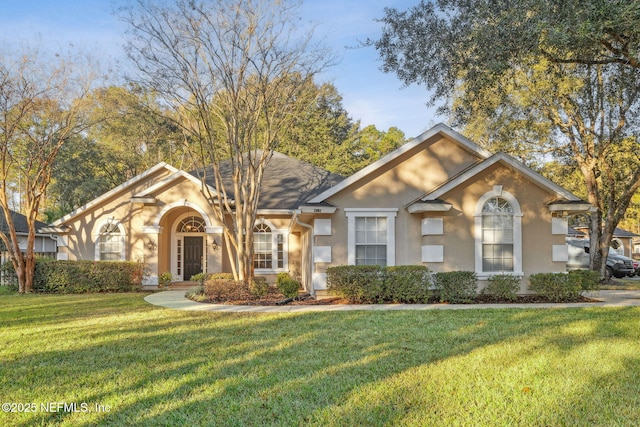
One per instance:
(177, 301)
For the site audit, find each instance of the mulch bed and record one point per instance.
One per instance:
(274, 297)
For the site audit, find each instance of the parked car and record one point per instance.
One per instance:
(618, 266)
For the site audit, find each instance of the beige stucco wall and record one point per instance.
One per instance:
(400, 182)
(421, 171)
(150, 226)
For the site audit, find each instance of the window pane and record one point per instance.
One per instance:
(497, 235)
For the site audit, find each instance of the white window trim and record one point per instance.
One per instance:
(97, 235)
(389, 213)
(517, 233)
(274, 248)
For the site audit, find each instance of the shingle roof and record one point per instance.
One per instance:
(287, 182)
(19, 222)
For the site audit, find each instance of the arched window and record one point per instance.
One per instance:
(191, 224)
(497, 236)
(262, 247)
(110, 243)
(269, 247)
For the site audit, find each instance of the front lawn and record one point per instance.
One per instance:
(115, 360)
(626, 283)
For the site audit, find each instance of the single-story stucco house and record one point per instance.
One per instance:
(439, 200)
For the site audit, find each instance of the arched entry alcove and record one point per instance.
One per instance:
(189, 243)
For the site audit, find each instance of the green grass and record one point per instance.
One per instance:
(154, 366)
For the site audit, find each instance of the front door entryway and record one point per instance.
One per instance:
(192, 256)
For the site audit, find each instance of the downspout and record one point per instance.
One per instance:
(312, 291)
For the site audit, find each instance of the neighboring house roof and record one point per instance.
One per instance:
(440, 129)
(286, 184)
(20, 223)
(618, 232)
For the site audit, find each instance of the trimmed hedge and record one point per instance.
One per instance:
(370, 284)
(554, 286)
(456, 287)
(407, 284)
(72, 277)
(75, 277)
(360, 284)
(503, 286)
(560, 287)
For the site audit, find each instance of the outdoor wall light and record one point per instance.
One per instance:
(215, 245)
(151, 244)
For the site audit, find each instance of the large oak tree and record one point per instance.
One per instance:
(570, 68)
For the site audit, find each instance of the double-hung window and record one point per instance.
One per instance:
(371, 236)
(371, 240)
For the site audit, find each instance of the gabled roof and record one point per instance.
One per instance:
(286, 184)
(508, 161)
(113, 192)
(178, 174)
(439, 129)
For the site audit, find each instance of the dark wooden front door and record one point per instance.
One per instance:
(192, 256)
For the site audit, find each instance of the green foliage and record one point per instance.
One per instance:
(164, 279)
(196, 293)
(258, 287)
(566, 367)
(200, 277)
(288, 286)
(456, 287)
(557, 287)
(360, 284)
(503, 286)
(589, 279)
(365, 284)
(220, 276)
(71, 277)
(407, 284)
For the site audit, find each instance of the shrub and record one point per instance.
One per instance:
(456, 287)
(196, 293)
(258, 287)
(503, 286)
(589, 279)
(164, 280)
(360, 284)
(200, 278)
(407, 284)
(224, 289)
(556, 287)
(287, 285)
(86, 276)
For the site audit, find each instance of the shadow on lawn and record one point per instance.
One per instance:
(338, 368)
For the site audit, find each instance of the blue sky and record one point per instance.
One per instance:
(368, 94)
